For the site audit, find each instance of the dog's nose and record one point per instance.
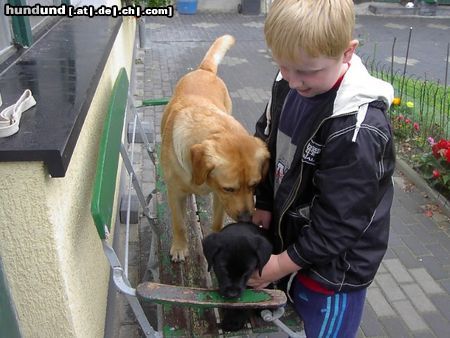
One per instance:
(232, 292)
(245, 217)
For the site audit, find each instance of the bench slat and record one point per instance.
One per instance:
(107, 163)
(177, 320)
(208, 298)
(177, 323)
(203, 320)
(155, 102)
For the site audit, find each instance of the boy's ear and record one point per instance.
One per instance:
(348, 53)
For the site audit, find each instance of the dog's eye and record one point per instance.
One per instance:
(228, 189)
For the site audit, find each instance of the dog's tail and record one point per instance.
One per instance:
(216, 53)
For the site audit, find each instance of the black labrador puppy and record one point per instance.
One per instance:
(234, 253)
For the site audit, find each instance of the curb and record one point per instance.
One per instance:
(384, 9)
(420, 183)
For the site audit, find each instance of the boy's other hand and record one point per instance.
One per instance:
(276, 268)
(270, 273)
(262, 218)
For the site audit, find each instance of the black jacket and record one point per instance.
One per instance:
(332, 209)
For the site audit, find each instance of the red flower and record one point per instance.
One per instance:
(435, 151)
(416, 126)
(407, 121)
(436, 173)
(440, 148)
(443, 144)
(447, 155)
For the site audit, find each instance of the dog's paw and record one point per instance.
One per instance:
(178, 254)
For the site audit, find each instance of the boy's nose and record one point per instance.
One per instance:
(295, 82)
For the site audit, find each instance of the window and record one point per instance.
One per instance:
(37, 21)
(5, 33)
(37, 25)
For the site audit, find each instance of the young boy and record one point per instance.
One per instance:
(329, 191)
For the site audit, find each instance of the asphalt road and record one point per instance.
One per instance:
(427, 57)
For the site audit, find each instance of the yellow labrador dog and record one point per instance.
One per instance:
(204, 149)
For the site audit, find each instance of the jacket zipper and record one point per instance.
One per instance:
(291, 197)
(276, 85)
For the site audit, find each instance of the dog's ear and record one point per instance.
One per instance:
(211, 247)
(263, 252)
(201, 164)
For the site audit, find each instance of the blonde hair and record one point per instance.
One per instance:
(319, 27)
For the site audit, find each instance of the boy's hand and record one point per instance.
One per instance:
(270, 273)
(262, 218)
(276, 268)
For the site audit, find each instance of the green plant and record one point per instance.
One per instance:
(157, 3)
(431, 100)
(402, 120)
(420, 112)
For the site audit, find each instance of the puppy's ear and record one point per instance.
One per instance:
(201, 164)
(211, 248)
(263, 252)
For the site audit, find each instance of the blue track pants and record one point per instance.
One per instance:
(326, 316)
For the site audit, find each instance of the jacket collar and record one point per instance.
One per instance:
(358, 88)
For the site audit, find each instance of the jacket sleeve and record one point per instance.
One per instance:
(265, 129)
(351, 181)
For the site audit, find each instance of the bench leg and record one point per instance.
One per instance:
(149, 332)
(152, 271)
(274, 317)
(123, 285)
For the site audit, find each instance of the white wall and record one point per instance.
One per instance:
(52, 255)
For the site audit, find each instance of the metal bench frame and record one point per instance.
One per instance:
(121, 102)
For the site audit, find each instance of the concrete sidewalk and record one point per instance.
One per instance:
(410, 296)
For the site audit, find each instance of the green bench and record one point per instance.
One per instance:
(188, 305)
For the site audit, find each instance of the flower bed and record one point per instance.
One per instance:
(434, 165)
(430, 158)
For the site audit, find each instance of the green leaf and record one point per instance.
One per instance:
(446, 178)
